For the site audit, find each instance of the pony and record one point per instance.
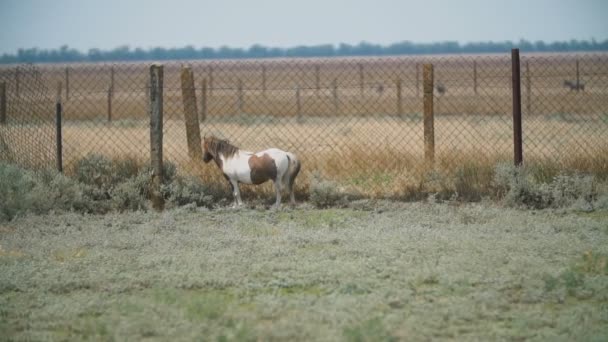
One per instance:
(239, 166)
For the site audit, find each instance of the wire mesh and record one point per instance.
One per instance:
(356, 120)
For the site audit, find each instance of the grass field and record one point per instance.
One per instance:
(373, 271)
(345, 117)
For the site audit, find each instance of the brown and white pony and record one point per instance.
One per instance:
(246, 167)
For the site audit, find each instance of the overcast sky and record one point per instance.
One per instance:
(85, 24)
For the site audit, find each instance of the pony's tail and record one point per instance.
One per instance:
(293, 169)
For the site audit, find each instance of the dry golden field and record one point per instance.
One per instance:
(354, 120)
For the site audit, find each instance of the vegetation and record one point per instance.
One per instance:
(373, 271)
(125, 53)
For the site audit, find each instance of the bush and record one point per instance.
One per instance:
(15, 185)
(98, 185)
(519, 189)
(325, 193)
(184, 191)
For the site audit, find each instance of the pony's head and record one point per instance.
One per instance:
(213, 147)
(207, 154)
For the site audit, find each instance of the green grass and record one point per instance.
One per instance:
(376, 271)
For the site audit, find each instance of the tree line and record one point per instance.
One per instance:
(126, 53)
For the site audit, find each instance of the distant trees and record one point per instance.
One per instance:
(125, 53)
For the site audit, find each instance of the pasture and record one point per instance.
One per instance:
(358, 121)
(372, 271)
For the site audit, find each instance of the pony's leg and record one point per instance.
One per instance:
(236, 192)
(277, 189)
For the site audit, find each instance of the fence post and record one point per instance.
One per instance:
(264, 80)
(210, 80)
(298, 105)
(317, 79)
(203, 99)
(517, 134)
(156, 135)
(399, 101)
(3, 103)
(193, 130)
(475, 76)
(578, 79)
(17, 82)
(334, 86)
(361, 78)
(429, 120)
(58, 130)
(110, 94)
(110, 103)
(417, 79)
(67, 83)
(239, 93)
(528, 89)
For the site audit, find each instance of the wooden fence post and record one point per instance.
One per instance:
(156, 135)
(67, 83)
(429, 124)
(399, 100)
(58, 129)
(264, 80)
(578, 79)
(239, 94)
(417, 79)
(210, 80)
(17, 74)
(203, 99)
(361, 78)
(528, 89)
(317, 79)
(110, 94)
(334, 86)
(3, 105)
(298, 105)
(516, 87)
(193, 130)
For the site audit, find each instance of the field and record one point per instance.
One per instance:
(354, 120)
(373, 271)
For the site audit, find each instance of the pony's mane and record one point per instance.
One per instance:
(217, 146)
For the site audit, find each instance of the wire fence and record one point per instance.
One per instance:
(359, 121)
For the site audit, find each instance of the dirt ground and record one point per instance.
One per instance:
(373, 271)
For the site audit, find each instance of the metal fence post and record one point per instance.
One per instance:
(193, 130)
(203, 99)
(399, 100)
(517, 133)
(3, 103)
(67, 83)
(429, 120)
(156, 135)
(58, 128)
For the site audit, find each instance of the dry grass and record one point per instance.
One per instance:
(352, 133)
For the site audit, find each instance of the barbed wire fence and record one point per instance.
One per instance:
(378, 125)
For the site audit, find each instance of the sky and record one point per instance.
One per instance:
(107, 24)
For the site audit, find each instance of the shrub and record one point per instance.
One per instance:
(184, 191)
(325, 193)
(518, 188)
(15, 185)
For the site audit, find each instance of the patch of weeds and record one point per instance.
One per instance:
(325, 193)
(594, 263)
(370, 330)
(188, 190)
(328, 218)
(354, 289)
(519, 189)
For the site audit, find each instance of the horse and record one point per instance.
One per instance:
(239, 166)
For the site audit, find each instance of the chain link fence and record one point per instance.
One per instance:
(358, 121)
